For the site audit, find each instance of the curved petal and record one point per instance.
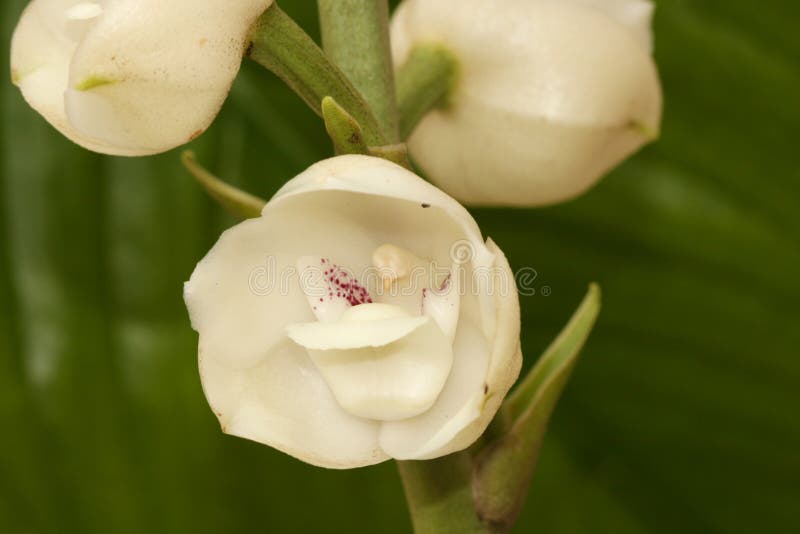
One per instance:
(40, 58)
(156, 73)
(505, 362)
(443, 304)
(381, 178)
(421, 437)
(559, 160)
(526, 66)
(130, 77)
(284, 402)
(390, 382)
(353, 335)
(483, 372)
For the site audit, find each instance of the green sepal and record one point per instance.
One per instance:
(504, 467)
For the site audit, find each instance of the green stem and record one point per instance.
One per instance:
(281, 46)
(439, 495)
(355, 34)
(424, 82)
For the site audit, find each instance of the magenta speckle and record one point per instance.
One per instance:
(344, 285)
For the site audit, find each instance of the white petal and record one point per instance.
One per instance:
(521, 127)
(443, 304)
(506, 357)
(482, 369)
(40, 57)
(469, 412)
(379, 178)
(355, 334)
(285, 403)
(421, 437)
(389, 382)
(140, 77)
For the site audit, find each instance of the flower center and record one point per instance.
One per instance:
(380, 360)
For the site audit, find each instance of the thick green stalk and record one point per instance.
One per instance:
(424, 82)
(355, 34)
(281, 46)
(439, 495)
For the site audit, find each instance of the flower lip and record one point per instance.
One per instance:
(354, 331)
(381, 361)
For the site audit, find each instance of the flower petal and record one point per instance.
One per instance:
(482, 374)
(390, 382)
(443, 304)
(138, 77)
(172, 64)
(351, 333)
(284, 402)
(421, 437)
(40, 57)
(379, 178)
(520, 127)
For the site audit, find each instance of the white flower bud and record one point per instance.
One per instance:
(549, 94)
(130, 77)
(362, 317)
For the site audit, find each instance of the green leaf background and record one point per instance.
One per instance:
(683, 413)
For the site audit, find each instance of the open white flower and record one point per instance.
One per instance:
(549, 94)
(130, 77)
(362, 317)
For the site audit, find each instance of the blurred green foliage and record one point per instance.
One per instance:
(682, 414)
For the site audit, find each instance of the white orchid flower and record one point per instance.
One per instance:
(130, 77)
(549, 94)
(362, 317)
